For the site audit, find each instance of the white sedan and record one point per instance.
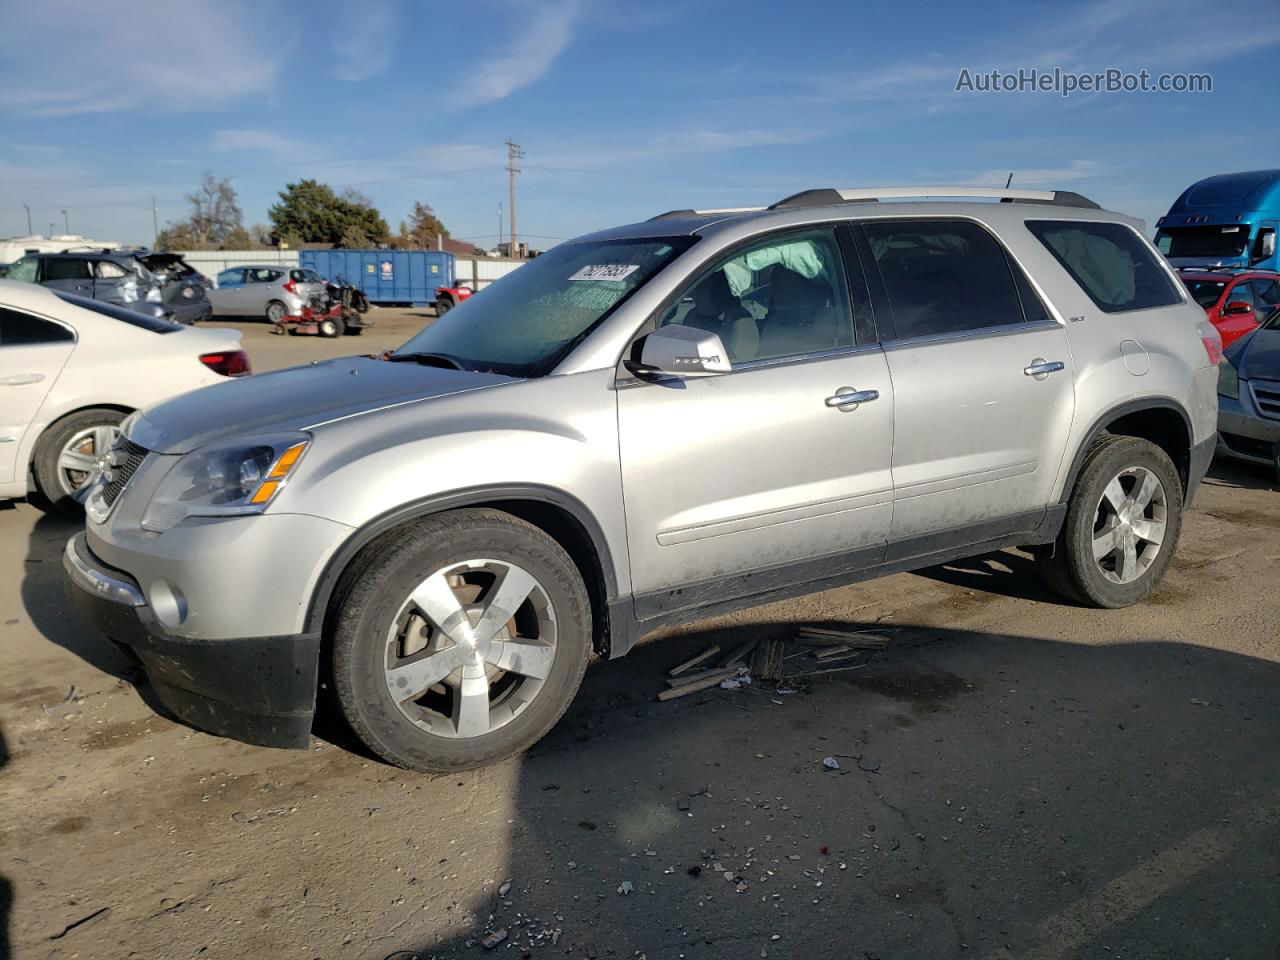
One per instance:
(71, 369)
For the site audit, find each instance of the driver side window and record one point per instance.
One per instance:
(783, 297)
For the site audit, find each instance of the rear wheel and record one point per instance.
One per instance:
(67, 452)
(443, 306)
(330, 327)
(276, 311)
(1122, 525)
(460, 641)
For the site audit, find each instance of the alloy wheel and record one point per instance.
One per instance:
(470, 648)
(79, 455)
(1129, 524)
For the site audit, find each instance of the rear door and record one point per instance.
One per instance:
(730, 481)
(982, 380)
(33, 351)
(113, 283)
(72, 274)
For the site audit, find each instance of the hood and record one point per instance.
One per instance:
(1256, 356)
(295, 399)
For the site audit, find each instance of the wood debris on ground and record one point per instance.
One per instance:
(775, 661)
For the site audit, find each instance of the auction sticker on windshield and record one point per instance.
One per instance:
(606, 271)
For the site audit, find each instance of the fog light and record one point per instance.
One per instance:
(168, 603)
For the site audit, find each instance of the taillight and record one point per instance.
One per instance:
(231, 363)
(1213, 349)
(291, 287)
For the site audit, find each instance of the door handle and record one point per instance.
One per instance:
(18, 379)
(1041, 368)
(849, 397)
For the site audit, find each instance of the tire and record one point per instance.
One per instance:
(355, 331)
(276, 311)
(80, 438)
(443, 306)
(1093, 523)
(331, 327)
(377, 622)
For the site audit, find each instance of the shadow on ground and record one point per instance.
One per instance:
(997, 796)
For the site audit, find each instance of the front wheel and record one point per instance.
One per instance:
(1122, 525)
(460, 640)
(443, 306)
(67, 454)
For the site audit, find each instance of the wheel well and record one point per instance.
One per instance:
(556, 521)
(1164, 427)
(71, 413)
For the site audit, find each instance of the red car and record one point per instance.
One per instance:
(1235, 300)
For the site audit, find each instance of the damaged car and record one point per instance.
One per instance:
(159, 285)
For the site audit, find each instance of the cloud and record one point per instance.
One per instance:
(1044, 176)
(264, 141)
(364, 43)
(537, 45)
(64, 57)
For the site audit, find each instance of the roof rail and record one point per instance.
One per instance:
(681, 214)
(829, 195)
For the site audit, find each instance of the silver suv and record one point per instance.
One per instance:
(702, 412)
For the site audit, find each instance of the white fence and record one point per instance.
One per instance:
(474, 272)
(213, 262)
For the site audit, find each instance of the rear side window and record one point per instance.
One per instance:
(107, 270)
(19, 329)
(1110, 262)
(123, 314)
(65, 268)
(262, 275)
(946, 277)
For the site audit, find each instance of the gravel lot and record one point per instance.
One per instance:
(1018, 779)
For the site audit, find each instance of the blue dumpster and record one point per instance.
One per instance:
(386, 276)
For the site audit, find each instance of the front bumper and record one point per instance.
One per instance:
(261, 690)
(1245, 434)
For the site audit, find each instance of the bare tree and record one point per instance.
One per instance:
(215, 214)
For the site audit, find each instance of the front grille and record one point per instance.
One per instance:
(1248, 446)
(1266, 397)
(123, 462)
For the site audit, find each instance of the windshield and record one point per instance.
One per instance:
(1205, 292)
(527, 322)
(1211, 243)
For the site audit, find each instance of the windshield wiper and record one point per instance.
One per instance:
(445, 360)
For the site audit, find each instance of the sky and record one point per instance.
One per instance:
(623, 110)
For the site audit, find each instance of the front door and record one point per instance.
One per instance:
(33, 352)
(982, 378)
(71, 274)
(730, 480)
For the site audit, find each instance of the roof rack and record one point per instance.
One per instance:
(829, 195)
(681, 214)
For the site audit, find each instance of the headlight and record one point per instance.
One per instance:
(1228, 380)
(227, 479)
(188, 292)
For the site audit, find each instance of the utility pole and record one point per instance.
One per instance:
(499, 223)
(155, 224)
(514, 153)
(66, 223)
(30, 232)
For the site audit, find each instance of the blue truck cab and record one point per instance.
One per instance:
(1224, 221)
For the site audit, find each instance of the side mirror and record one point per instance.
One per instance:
(1266, 245)
(681, 352)
(1237, 307)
